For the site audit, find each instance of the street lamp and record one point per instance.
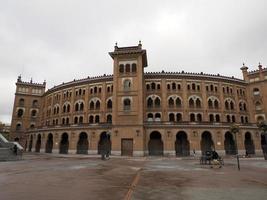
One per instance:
(235, 129)
(263, 127)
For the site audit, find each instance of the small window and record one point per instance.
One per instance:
(20, 113)
(21, 102)
(121, 68)
(34, 113)
(127, 84)
(109, 104)
(127, 104)
(133, 67)
(127, 68)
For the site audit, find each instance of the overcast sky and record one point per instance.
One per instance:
(59, 40)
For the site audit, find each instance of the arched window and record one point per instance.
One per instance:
(33, 113)
(150, 117)
(193, 86)
(108, 89)
(210, 103)
(232, 105)
(226, 105)
(109, 118)
(95, 89)
(178, 102)
(242, 119)
(178, 117)
(127, 84)
(191, 103)
(80, 119)
(174, 86)
(216, 104)
(68, 108)
(21, 102)
(18, 126)
(217, 118)
(192, 117)
(147, 87)
(92, 105)
(157, 116)
(199, 117)
(97, 105)
(76, 107)
(228, 118)
(34, 103)
(256, 91)
(64, 108)
(109, 104)
(168, 87)
(153, 86)
(158, 86)
(198, 103)
(157, 102)
(128, 68)
(63, 121)
(91, 119)
(171, 102)
(121, 68)
(127, 104)
(81, 106)
(211, 118)
(171, 117)
(133, 67)
(149, 102)
(67, 120)
(233, 118)
(20, 113)
(75, 120)
(97, 119)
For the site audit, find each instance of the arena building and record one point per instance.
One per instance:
(135, 113)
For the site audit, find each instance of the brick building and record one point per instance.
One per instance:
(137, 113)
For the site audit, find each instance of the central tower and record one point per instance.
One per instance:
(128, 98)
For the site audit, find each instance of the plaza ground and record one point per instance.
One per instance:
(72, 177)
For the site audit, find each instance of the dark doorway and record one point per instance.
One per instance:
(126, 147)
(155, 144)
(104, 144)
(229, 144)
(30, 145)
(64, 144)
(249, 144)
(49, 144)
(82, 145)
(206, 142)
(182, 144)
(264, 143)
(38, 144)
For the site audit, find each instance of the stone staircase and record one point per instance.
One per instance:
(7, 150)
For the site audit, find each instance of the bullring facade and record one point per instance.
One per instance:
(136, 113)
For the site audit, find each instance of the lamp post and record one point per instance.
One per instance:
(263, 127)
(235, 129)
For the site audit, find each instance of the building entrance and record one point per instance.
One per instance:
(49, 144)
(155, 144)
(126, 147)
(182, 144)
(104, 144)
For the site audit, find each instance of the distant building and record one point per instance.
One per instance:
(137, 113)
(5, 130)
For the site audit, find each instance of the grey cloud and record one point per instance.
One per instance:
(66, 39)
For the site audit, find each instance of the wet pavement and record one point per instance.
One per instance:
(72, 177)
